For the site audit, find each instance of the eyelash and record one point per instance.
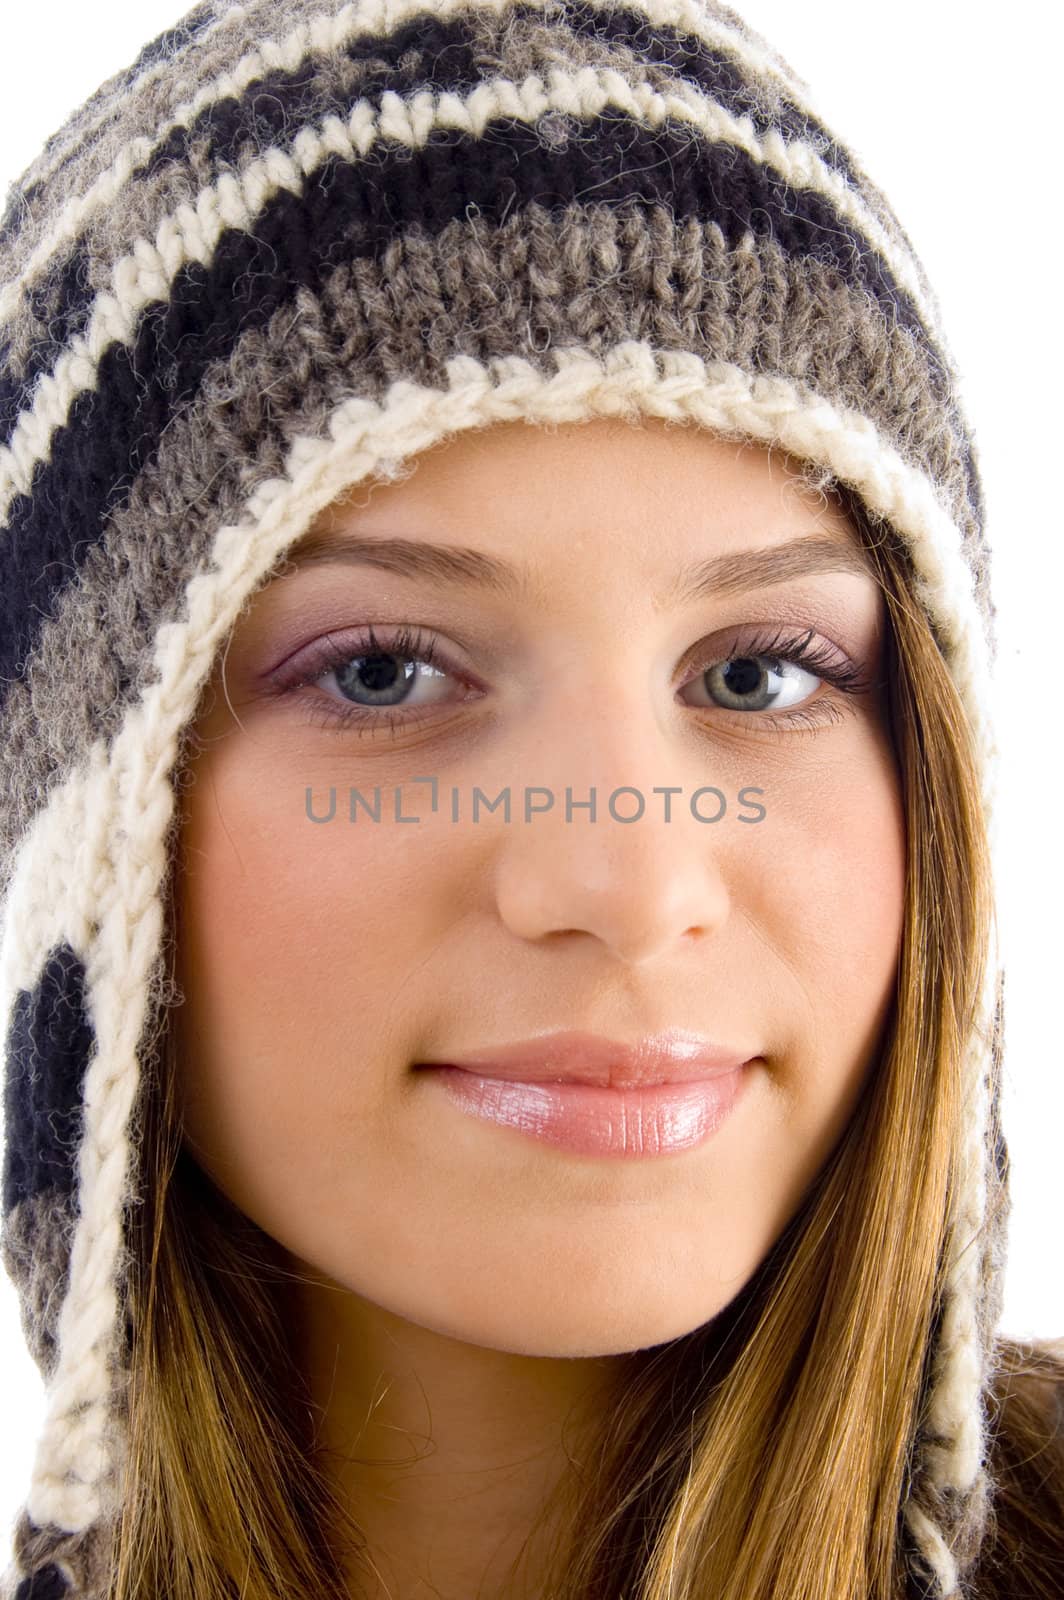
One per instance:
(411, 644)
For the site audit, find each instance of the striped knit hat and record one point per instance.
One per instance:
(294, 243)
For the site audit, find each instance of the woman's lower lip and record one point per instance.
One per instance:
(656, 1120)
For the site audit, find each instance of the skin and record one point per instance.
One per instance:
(465, 1296)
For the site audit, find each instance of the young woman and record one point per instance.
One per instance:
(502, 1016)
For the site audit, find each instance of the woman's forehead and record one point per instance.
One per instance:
(662, 487)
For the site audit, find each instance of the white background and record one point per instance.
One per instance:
(954, 118)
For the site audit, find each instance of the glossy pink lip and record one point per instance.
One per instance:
(588, 1058)
(596, 1120)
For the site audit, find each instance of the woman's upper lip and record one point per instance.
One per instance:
(574, 1057)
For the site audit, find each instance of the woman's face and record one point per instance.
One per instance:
(325, 961)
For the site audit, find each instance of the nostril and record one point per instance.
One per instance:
(47, 1583)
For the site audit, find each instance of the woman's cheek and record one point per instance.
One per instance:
(822, 884)
(288, 928)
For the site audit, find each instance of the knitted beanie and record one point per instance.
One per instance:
(294, 244)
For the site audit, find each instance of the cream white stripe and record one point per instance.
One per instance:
(935, 1550)
(192, 233)
(332, 31)
(77, 1458)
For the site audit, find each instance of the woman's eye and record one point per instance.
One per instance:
(775, 674)
(755, 683)
(385, 679)
(372, 683)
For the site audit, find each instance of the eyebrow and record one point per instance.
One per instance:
(733, 573)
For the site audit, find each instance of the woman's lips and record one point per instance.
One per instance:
(664, 1095)
(674, 1056)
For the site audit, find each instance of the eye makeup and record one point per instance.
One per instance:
(779, 647)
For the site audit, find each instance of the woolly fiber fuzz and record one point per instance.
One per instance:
(294, 244)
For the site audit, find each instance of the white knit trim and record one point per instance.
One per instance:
(934, 1550)
(950, 1413)
(77, 1458)
(954, 1410)
(51, 897)
(191, 233)
(325, 34)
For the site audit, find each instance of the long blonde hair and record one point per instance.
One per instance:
(764, 1456)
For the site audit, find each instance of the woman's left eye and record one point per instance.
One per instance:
(772, 674)
(767, 678)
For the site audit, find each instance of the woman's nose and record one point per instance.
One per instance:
(642, 887)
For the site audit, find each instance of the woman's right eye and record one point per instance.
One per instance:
(365, 678)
